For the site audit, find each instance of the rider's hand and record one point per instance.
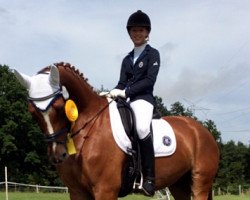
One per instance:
(106, 94)
(117, 92)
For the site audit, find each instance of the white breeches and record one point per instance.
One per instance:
(143, 112)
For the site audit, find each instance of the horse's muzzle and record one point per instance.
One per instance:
(58, 159)
(57, 153)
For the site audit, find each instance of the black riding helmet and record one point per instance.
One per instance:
(139, 18)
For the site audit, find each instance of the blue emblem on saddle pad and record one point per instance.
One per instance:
(166, 140)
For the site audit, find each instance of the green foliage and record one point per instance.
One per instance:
(160, 106)
(247, 166)
(211, 126)
(233, 167)
(177, 109)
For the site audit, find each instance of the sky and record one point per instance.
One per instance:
(204, 47)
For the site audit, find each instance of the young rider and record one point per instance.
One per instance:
(137, 78)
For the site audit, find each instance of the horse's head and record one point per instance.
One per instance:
(50, 107)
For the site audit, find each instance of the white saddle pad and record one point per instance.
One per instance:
(164, 137)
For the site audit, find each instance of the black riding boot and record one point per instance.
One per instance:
(148, 165)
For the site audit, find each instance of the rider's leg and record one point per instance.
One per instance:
(143, 112)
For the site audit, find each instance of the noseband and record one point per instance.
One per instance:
(53, 137)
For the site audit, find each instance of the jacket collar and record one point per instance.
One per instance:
(145, 52)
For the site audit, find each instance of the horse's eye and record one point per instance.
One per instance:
(33, 111)
(59, 104)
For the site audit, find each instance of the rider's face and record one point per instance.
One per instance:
(138, 35)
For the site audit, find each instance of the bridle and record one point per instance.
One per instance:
(53, 95)
(52, 137)
(66, 131)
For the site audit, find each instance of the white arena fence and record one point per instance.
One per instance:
(8, 186)
(21, 187)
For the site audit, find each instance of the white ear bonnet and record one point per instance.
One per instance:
(43, 87)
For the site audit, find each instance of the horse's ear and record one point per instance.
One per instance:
(25, 80)
(54, 78)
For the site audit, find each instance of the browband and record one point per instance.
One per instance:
(59, 91)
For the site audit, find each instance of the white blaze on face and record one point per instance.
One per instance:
(49, 127)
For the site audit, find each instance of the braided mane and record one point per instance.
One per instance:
(68, 67)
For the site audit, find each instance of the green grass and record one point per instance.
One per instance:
(64, 196)
(35, 196)
(232, 197)
(135, 197)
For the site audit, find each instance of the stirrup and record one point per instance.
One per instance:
(138, 185)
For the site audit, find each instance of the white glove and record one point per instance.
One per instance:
(106, 94)
(117, 92)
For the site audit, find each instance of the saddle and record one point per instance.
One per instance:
(132, 168)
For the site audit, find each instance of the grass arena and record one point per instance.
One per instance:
(65, 196)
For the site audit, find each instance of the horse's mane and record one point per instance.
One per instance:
(68, 67)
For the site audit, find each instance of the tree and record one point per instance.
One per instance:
(160, 106)
(232, 168)
(210, 125)
(178, 109)
(247, 166)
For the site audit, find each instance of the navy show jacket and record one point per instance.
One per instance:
(138, 79)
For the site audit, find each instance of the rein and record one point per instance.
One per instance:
(53, 137)
(91, 119)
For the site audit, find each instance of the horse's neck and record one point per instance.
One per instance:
(80, 91)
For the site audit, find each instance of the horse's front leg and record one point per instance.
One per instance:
(103, 194)
(107, 188)
(80, 196)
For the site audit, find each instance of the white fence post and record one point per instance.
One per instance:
(37, 189)
(6, 183)
(219, 191)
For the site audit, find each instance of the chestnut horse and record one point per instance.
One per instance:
(95, 170)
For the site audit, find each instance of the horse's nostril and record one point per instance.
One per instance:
(64, 155)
